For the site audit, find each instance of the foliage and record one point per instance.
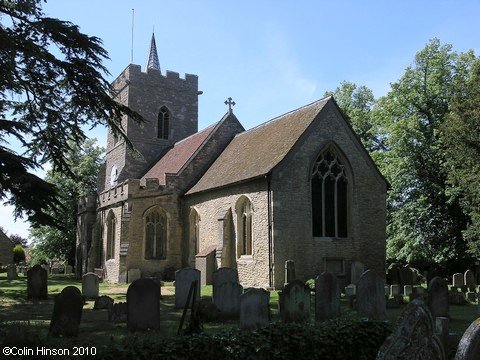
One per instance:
(59, 243)
(52, 86)
(461, 134)
(17, 239)
(18, 254)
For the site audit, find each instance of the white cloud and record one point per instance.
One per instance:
(7, 221)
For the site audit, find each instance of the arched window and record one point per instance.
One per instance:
(111, 223)
(194, 235)
(163, 127)
(244, 225)
(329, 196)
(155, 235)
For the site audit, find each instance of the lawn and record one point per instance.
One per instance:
(17, 313)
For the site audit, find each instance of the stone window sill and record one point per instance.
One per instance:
(245, 259)
(329, 239)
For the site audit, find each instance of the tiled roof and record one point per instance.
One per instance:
(173, 161)
(256, 152)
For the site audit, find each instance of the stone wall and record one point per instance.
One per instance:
(6, 247)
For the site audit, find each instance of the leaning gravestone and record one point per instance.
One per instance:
(438, 297)
(143, 305)
(183, 281)
(327, 296)
(227, 299)
(67, 313)
(413, 336)
(12, 272)
(37, 283)
(371, 296)
(90, 286)
(254, 308)
(469, 280)
(289, 272)
(469, 346)
(295, 302)
(357, 269)
(223, 275)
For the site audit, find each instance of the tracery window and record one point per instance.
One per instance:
(244, 216)
(329, 196)
(155, 235)
(163, 127)
(111, 236)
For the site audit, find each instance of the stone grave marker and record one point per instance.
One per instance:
(12, 272)
(103, 302)
(387, 290)
(46, 268)
(413, 337)
(133, 274)
(254, 308)
(469, 346)
(222, 275)
(406, 275)
(356, 270)
(294, 302)
(183, 281)
(350, 290)
(393, 274)
(394, 290)
(227, 299)
(371, 300)
(471, 296)
(143, 305)
(67, 313)
(457, 281)
(68, 269)
(407, 290)
(289, 271)
(469, 280)
(327, 296)
(90, 286)
(438, 297)
(117, 312)
(37, 283)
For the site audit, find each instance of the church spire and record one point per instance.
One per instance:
(152, 60)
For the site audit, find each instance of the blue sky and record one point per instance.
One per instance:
(269, 56)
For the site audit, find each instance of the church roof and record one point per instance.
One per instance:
(175, 158)
(256, 152)
(152, 60)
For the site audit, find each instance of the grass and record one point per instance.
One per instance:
(16, 312)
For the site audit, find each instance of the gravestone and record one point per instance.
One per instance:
(356, 270)
(457, 281)
(413, 336)
(406, 275)
(117, 312)
(350, 290)
(471, 296)
(133, 274)
(102, 302)
(143, 305)
(289, 271)
(90, 286)
(254, 308)
(393, 274)
(183, 281)
(46, 268)
(37, 283)
(442, 331)
(294, 302)
(12, 272)
(67, 313)
(394, 290)
(407, 290)
(469, 280)
(222, 275)
(370, 296)
(68, 269)
(227, 299)
(327, 296)
(438, 297)
(469, 346)
(386, 290)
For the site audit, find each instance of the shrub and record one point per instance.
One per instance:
(18, 254)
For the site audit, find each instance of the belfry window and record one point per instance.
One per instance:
(329, 196)
(163, 127)
(244, 216)
(110, 236)
(155, 235)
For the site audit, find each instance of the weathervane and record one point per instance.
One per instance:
(230, 103)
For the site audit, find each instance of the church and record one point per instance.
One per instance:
(298, 187)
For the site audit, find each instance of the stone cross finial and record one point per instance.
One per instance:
(230, 103)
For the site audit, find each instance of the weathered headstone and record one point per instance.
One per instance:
(102, 302)
(457, 281)
(117, 312)
(90, 286)
(223, 275)
(393, 274)
(407, 290)
(37, 283)
(442, 331)
(387, 290)
(406, 275)
(289, 271)
(46, 268)
(183, 281)
(356, 270)
(413, 336)
(370, 296)
(294, 302)
(394, 290)
(350, 290)
(469, 346)
(143, 305)
(327, 296)
(12, 272)
(469, 280)
(67, 313)
(68, 269)
(438, 297)
(471, 296)
(133, 274)
(254, 308)
(227, 299)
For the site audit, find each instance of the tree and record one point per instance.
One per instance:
(18, 254)
(461, 134)
(425, 224)
(18, 240)
(51, 242)
(52, 85)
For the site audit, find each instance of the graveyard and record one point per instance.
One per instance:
(125, 318)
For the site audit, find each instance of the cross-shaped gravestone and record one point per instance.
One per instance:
(230, 103)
